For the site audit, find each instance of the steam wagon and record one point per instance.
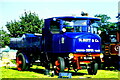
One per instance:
(67, 42)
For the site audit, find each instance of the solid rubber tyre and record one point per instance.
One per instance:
(93, 69)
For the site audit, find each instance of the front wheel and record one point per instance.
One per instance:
(21, 62)
(59, 65)
(93, 69)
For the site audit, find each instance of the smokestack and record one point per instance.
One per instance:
(84, 14)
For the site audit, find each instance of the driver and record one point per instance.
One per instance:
(69, 27)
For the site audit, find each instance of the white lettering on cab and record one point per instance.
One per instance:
(88, 40)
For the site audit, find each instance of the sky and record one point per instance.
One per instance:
(13, 9)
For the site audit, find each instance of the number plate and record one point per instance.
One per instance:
(88, 58)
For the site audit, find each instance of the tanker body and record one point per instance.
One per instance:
(66, 43)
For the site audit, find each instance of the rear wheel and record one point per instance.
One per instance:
(60, 65)
(21, 62)
(93, 69)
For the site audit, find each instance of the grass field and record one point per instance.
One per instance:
(38, 72)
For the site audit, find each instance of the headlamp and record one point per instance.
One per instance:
(71, 55)
(101, 55)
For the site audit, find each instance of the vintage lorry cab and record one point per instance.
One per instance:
(67, 42)
(66, 34)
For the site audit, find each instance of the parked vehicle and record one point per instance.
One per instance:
(111, 45)
(65, 43)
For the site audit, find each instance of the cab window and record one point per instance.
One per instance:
(113, 38)
(54, 27)
(93, 28)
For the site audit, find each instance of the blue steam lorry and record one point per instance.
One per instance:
(67, 42)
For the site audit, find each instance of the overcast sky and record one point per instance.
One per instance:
(13, 9)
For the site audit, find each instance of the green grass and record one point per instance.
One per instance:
(34, 72)
(37, 72)
(100, 74)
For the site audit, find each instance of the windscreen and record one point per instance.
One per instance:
(93, 27)
(80, 26)
(75, 25)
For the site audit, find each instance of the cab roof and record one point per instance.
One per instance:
(76, 17)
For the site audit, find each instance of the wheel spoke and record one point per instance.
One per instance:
(57, 63)
(19, 64)
(19, 61)
(57, 68)
(19, 68)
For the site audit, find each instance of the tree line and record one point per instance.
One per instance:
(30, 23)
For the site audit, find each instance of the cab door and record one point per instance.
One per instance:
(53, 37)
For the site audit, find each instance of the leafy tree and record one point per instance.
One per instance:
(28, 23)
(105, 25)
(4, 38)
